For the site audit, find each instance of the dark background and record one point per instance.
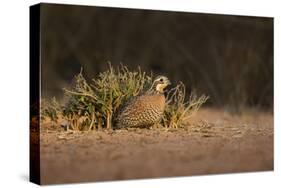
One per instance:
(229, 58)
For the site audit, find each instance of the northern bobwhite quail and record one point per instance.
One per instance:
(147, 109)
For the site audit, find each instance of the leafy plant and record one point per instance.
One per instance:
(92, 105)
(98, 101)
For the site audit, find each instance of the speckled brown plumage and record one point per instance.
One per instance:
(145, 110)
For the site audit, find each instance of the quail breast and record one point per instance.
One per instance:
(147, 109)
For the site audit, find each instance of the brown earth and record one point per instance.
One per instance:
(213, 142)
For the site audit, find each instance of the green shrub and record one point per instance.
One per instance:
(92, 105)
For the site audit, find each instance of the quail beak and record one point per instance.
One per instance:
(168, 82)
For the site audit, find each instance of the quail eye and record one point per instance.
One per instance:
(161, 80)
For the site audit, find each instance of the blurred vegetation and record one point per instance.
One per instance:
(94, 104)
(229, 58)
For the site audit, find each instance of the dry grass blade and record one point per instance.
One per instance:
(178, 109)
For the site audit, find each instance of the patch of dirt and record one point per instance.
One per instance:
(213, 142)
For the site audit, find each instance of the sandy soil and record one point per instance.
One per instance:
(213, 142)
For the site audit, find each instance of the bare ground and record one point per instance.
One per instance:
(213, 142)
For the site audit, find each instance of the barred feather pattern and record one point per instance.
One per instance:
(143, 111)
